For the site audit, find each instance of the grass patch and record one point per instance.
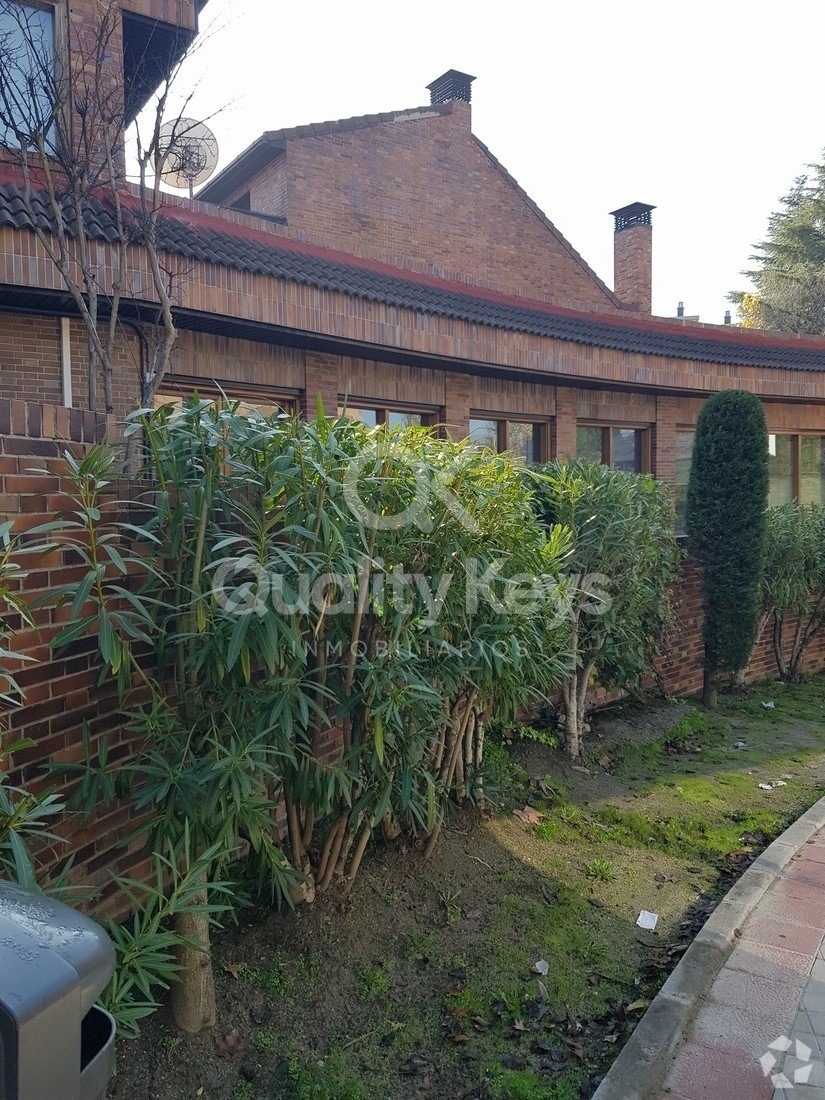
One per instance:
(422, 982)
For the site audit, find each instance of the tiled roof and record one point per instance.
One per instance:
(200, 237)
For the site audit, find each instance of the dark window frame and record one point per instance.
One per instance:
(59, 67)
(608, 427)
(382, 410)
(541, 426)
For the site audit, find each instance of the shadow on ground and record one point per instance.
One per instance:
(425, 984)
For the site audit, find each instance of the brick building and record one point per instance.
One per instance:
(389, 264)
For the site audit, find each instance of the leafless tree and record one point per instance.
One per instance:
(64, 119)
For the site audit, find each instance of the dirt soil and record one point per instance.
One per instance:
(510, 965)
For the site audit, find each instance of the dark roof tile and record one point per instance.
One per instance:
(212, 240)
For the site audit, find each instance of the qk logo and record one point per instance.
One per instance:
(795, 1049)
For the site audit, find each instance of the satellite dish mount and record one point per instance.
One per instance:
(187, 154)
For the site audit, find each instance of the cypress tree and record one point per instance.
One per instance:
(726, 503)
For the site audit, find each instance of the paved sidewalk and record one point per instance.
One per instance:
(772, 987)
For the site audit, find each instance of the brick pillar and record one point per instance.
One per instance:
(564, 428)
(457, 405)
(633, 256)
(321, 378)
(664, 440)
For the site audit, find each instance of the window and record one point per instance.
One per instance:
(781, 471)
(812, 470)
(623, 448)
(796, 469)
(27, 77)
(392, 418)
(684, 455)
(265, 404)
(524, 439)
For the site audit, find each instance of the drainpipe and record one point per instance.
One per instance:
(66, 359)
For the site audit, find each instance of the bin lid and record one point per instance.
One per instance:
(46, 926)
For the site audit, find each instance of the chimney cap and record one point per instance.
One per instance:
(450, 85)
(637, 213)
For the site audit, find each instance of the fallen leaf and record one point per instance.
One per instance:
(528, 815)
(235, 969)
(518, 1025)
(637, 1006)
(610, 1038)
(460, 1038)
(604, 761)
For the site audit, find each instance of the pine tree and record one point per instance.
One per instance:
(726, 503)
(790, 276)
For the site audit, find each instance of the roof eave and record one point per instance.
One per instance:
(242, 169)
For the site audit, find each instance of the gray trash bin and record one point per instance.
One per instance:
(55, 1043)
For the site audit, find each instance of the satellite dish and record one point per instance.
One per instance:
(187, 154)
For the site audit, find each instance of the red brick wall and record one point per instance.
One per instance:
(30, 358)
(420, 192)
(267, 190)
(31, 366)
(61, 693)
(632, 266)
(682, 667)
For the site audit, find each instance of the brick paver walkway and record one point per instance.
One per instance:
(772, 985)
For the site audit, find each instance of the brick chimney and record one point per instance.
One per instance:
(633, 256)
(451, 85)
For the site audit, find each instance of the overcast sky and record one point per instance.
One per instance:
(707, 110)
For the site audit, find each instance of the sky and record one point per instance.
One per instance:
(706, 110)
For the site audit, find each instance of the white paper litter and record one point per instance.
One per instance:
(770, 704)
(647, 920)
(765, 787)
(739, 745)
(541, 967)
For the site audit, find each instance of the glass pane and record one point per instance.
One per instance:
(403, 420)
(264, 408)
(366, 416)
(522, 442)
(812, 474)
(684, 453)
(590, 444)
(27, 46)
(485, 433)
(627, 449)
(780, 469)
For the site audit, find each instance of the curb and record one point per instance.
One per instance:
(640, 1069)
